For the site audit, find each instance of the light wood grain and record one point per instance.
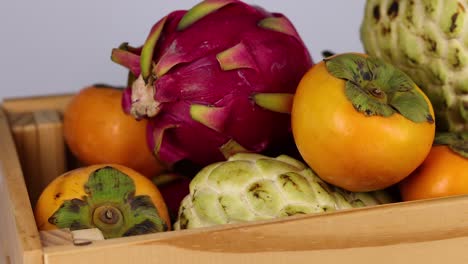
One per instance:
(59, 237)
(25, 134)
(31, 104)
(64, 237)
(434, 252)
(39, 142)
(19, 235)
(51, 149)
(439, 227)
(86, 236)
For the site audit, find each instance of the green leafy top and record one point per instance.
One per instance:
(111, 206)
(378, 88)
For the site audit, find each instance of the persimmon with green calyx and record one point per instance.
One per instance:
(117, 200)
(361, 124)
(443, 173)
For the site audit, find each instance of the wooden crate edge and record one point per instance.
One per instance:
(371, 227)
(34, 103)
(20, 237)
(336, 236)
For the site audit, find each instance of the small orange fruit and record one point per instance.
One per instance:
(113, 198)
(97, 131)
(443, 173)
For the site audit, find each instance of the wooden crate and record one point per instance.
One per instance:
(33, 152)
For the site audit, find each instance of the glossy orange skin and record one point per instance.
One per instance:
(443, 173)
(347, 148)
(98, 131)
(70, 185)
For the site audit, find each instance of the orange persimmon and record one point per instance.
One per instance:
(443, 173)
(113, 198)
(97, 130)
(360, 123)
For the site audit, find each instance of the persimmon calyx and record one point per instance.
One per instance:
(110, 204)
(375, 87)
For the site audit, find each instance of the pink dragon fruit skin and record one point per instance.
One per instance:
(214, 80)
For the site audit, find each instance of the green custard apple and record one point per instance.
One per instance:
(428, 40)
(250, 187)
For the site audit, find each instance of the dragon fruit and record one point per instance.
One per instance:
(215, 80)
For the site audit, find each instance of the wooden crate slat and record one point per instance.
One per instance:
(440, 251)
(35, 103)
(439, 225)
(39, 141)
(50, 147)
(57, 237)
(20, 237)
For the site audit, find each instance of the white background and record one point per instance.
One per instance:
(57, 46)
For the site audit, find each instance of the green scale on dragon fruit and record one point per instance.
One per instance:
(215, 80)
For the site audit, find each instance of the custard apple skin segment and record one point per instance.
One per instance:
(427, 39)
(249, 187)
